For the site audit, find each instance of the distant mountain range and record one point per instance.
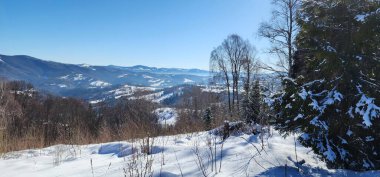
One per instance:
(70, 79)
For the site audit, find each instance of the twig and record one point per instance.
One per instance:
(92, 168)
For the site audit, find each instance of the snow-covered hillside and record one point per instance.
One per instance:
(172, 156)
(166, 116)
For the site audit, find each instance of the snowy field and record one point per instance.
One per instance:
(172, 156)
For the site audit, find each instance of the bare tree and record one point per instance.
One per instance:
(250, 68)
(236, 49)
(219, 68)
(227, 62)
(281, 31)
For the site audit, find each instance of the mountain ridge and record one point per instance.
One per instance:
(60, 78)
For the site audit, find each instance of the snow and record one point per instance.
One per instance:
(28, 92)
(369, 138)
(367, 109)
(128, 90)
(337, 96)
(143, 69)
(151, 96)
(79, 77)
(349, 133)
(157, 83)
(96, 101)
(62, 85)
(118, 149)
(156, 97)
(100, 84)
(303, 94)
(331, 49)
(122, 75)
(177, 154)
(64, 77)
(350, 113)
(87, 66)
(188, 80)
(332, 97)
(1, 61)
(163, 97)
(361, 18)
(299, 116)
(123, 91)
(154, 80)
(212, 90)
(166, 116)
(147, 77)
(305, 136)
(329, 153)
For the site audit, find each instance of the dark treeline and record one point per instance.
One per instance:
(29, 119)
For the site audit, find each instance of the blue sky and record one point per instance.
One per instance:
(161, 33)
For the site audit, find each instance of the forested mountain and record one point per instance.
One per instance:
(64, 79)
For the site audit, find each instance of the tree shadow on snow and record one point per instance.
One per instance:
(165, 174)
(293, 172)
(307, 171)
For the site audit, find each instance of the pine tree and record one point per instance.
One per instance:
(255, 101)
(245, 112)
(250, 108)
(207, 118)
(333, 99)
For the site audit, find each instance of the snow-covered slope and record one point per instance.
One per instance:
(166, 116)
(172, 156)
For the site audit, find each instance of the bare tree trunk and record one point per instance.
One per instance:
(289, 41)
(233, 93)
(229, 94)
(248, 77)
(237, 95)
(295, 150)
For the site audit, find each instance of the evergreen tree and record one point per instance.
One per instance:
(244, 109)
(255, 101)
(207, 118)
(333, 99)
(251, 103)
